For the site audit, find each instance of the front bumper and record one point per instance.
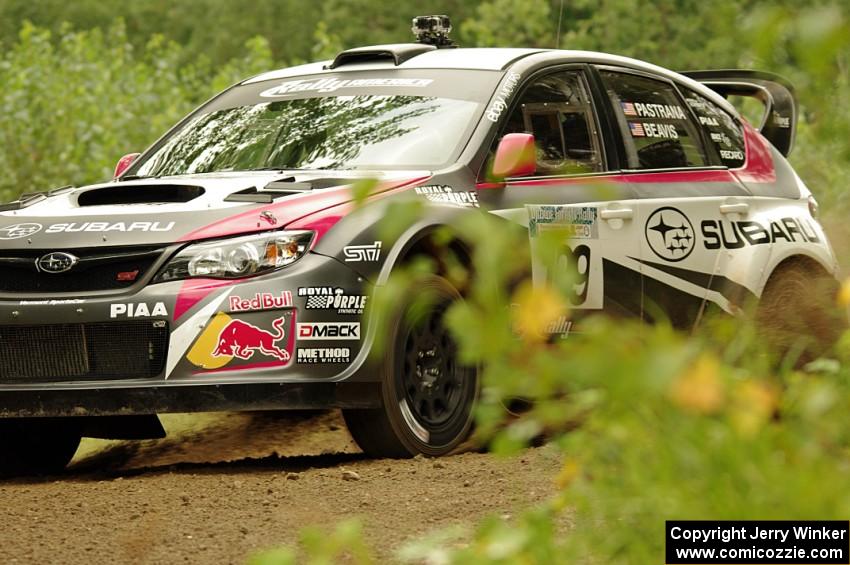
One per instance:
(229, 345)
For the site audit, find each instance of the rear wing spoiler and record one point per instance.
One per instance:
(779, 121)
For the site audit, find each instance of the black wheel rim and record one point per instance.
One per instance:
(432, 381)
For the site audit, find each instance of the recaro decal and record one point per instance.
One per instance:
(737, 234)
(670, 234)
(333, 84)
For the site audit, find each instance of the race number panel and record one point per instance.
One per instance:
(575, 261)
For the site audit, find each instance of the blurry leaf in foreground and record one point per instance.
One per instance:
(844, 293)
(537, 307)
(362, 189)
(569, 472)
(753, 405)
(699, 389)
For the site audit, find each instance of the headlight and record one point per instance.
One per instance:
(237, 257)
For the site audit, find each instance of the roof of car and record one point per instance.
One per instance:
(481, 58)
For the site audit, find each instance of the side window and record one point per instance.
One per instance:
(657, 128)
(557, 110)
(725, 133)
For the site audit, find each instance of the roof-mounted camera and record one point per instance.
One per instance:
(433, 30)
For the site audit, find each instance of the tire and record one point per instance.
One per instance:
(36, 446)
(427, 395)
(797, 314)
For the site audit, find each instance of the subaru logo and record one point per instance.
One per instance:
(56, 262)
(18, 231)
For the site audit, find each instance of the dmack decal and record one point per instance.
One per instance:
(74, 227)
(329, 330)
(226, 339)
(140, 310)
(261, 301)
(737, 234)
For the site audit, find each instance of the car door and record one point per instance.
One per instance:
(574, 195)
(681, 188)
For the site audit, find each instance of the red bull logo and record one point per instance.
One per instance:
(241, 339)
(227, 341)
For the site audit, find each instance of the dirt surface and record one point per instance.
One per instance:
(222, 487)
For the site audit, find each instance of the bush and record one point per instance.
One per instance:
(77, 102)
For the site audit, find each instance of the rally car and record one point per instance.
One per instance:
(227, 266)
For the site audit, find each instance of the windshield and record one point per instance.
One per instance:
(352, 123)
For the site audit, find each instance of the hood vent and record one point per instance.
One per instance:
(140, 194)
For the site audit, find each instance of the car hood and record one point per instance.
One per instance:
(181, 208)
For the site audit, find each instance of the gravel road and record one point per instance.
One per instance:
(224, 486)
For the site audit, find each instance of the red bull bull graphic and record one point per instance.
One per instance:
(241, 339)
(231, 344)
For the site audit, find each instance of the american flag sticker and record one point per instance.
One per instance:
(628, 108)
(637, 130)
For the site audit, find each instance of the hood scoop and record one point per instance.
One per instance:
(140, 194)
(282, 187)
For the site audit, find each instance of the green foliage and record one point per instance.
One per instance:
(511, 23)
(76, 101)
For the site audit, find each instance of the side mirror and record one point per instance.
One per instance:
(515, 156)
(124, 163)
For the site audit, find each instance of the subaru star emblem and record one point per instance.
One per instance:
(18, 231)
(56, 262)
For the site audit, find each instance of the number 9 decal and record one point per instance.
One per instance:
(579, 272)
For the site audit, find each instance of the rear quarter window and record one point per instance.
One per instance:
(722, 129)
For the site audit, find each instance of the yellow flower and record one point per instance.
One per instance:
(699, 389)
(568, 473)
(754, 403)
(538, 307)
(844, 293)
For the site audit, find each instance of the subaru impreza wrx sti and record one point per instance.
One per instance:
(226, 267)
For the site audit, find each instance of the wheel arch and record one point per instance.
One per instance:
(823, 261)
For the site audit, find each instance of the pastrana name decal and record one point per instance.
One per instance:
(641, 110)
(313, 355)
(332, 298)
